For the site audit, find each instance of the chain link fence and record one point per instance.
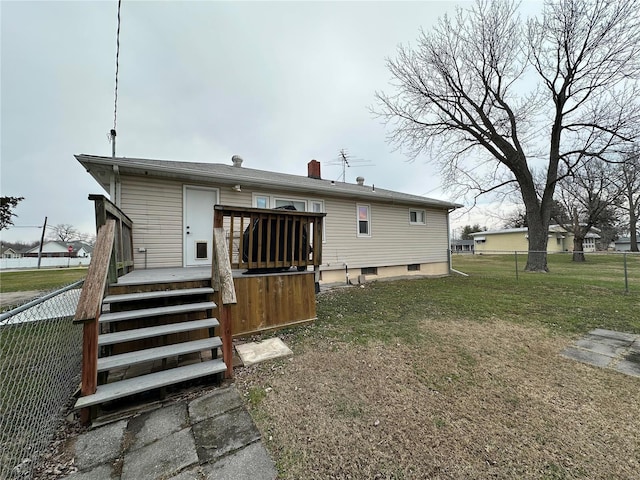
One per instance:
(618, 269)
(40, 363)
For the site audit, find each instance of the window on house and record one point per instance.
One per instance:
(369, 271)
(364, 221)
(261, 201)
(417, 217)
(299, 205)
(318, 207)
(414, 267)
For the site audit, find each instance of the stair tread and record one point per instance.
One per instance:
(143, 383)
(157, 353)
(148, 332)
(155, 311)
(130, 297)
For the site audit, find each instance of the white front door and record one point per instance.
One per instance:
(198, 225)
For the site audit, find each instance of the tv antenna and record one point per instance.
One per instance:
(346, 160)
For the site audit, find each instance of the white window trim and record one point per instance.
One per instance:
(254, 199)
(271, 202)
(358, 234)
(418, 210)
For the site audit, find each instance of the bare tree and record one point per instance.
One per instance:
(502, 105)
(628, 180)
(64, 232)
(588, 196)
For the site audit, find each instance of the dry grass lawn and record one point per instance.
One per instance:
(449, 398)
(475, 400)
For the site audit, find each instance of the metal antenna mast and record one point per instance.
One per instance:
(345, 160)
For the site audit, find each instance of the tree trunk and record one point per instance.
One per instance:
(633, 229)
(578, 249)
(538, 229)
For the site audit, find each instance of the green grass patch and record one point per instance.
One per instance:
(48, 279)
(256, 395)
(571, 298)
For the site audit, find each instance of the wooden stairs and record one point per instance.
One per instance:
(153, 335)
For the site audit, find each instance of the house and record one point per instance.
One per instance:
(462, 246)
(623, 244)
(367, 230)
(56, 248)
(516, 239)
(8, 252)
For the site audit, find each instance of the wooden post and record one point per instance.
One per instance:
(222, 282)
(88, 310)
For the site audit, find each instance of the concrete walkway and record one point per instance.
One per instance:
(212, 436)
(608, 349)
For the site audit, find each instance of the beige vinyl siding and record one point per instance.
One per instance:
(502, 242)
(393, 240)
(155, 206)
(518, 241)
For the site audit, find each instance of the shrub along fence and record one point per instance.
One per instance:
(40, 354)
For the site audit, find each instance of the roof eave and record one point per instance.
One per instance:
(367, 193)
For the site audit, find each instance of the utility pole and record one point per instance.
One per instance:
(44, 228)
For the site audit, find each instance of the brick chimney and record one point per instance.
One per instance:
(313, 169)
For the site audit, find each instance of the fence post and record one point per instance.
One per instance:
(515, 254)
(626, 277)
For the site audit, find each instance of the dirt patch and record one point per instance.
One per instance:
(12, 299)
(467, 400)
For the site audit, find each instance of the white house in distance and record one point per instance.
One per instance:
(367, 230)
(623, 244)
(56, 248)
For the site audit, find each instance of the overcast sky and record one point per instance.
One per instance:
(276, 83)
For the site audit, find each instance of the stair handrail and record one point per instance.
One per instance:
(122, 255)
(222, 283)
(90, 305)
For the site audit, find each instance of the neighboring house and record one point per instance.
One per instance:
(8, 252)
(56, 248)
(367, 230)
(517, 239)
(623, 244)
(462, 246)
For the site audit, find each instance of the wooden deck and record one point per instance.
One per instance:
(267, 301)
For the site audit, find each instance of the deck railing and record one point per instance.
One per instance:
(89, 307)
(260, 239)
(122, 256)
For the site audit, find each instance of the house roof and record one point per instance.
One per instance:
(462, 242)
(77, 245)
(552, 229)
(101, 169)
